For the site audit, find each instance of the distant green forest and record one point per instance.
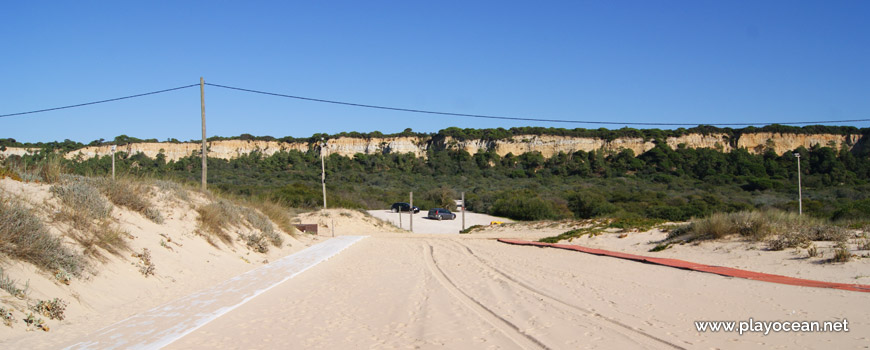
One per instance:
(665, 183)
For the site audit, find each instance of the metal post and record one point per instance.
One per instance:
(113, 162)
(400, 216)
(463, 211)
(800, 195)
(323, 171)
(204, 152)
(412, 211)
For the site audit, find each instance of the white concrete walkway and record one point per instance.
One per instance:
(165, 324)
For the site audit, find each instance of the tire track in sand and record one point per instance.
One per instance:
(507, 328)
(554, 300)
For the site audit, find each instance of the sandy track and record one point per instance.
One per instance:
(460, 292)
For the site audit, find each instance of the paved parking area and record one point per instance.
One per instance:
(425, 225)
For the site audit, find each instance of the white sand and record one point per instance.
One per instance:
(458, 292)
(398, 289)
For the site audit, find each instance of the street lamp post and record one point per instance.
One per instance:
(800, 196)
(323, 171)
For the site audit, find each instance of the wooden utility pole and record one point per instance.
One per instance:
(463, 211)
(800, 196)
(412, 211)
(113, 162)
(323, 171)
(204, 152)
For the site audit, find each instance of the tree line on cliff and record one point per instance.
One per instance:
(472, 134)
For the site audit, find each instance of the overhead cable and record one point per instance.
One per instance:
(519, 118)
(102, 101)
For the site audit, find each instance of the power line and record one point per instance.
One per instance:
(411, 110)
(103, 101)
(519, 118)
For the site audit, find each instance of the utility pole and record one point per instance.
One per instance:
(412, 211)
(463, 211)
(800, 196)
(323, 170)
(204, 152)
(113, 162)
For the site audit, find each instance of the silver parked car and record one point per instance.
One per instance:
(441, 214)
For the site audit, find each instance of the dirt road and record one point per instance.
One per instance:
(460, 292)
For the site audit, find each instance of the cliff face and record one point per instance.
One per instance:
(347, 147)
(547, 145)
(781, 143)
(173, 151)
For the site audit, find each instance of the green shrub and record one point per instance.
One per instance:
(580, 232)
(856, 210)
(587, 205)
(527, 205)
(472, 228)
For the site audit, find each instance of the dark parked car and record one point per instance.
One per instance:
(441, 214)
(403, 207)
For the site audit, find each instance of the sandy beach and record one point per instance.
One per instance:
(466, 292)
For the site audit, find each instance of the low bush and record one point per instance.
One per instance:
(173, 188)
(7, 317)
(6, 172)
(216, 217)
(280, 215)
(580, 232)
(125, 193)
(11, 286)
(258, 242)
(131, 195)
(841, 253)
(24, 237)
(87, 212)
(82, 198)
(472, 228)
(528, 205)
(856, 210)
(52, 309)
(146, 266)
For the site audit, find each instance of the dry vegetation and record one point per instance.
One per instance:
(24, 237)
(87, 215)
(217, 218)
(77, 224)
(777, 229)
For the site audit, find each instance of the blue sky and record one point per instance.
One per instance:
(698, 62)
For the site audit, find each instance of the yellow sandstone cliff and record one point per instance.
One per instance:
(547, 145)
